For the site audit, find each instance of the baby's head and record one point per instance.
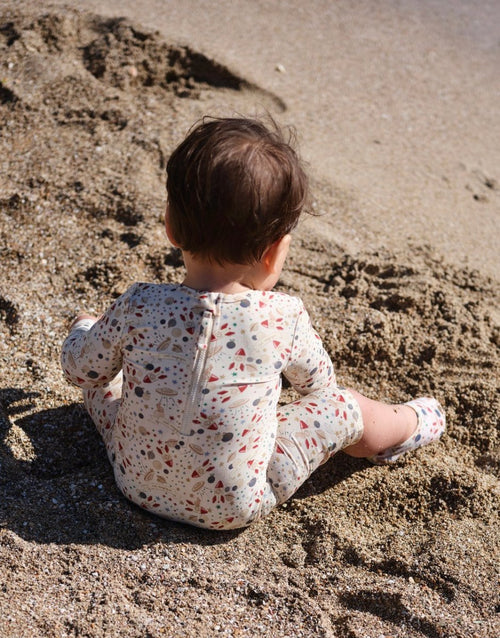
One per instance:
(234, 188)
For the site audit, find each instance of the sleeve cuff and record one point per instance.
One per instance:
(83, 324)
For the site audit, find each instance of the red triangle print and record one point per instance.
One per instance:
(242, 388)
(303, 425)
(213, 378)
(279, 449)
(241, 352)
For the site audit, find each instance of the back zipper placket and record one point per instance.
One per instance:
(205, 335)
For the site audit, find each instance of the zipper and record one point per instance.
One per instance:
(206, 328)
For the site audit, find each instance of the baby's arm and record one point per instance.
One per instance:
(83, 317)
(309, 367)
(91, 354)
(388, 430)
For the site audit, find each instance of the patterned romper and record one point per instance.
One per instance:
(184, 386)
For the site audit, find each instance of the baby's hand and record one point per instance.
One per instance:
(81, 316)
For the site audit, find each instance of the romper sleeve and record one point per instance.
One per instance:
(92, 352)
(309, 367)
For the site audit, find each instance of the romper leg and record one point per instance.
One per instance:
(310, 431)
(102, 405)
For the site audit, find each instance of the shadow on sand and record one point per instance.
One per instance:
(57, 486)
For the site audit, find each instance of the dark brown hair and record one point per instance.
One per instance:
(234, 187)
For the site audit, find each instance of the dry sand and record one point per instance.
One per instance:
(396, 109)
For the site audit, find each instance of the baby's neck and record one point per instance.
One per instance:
(213, 277)
(230, 287)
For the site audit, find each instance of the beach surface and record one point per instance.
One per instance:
(395, 105)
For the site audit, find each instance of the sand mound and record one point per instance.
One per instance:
(89, 111)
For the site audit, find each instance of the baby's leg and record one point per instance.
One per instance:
(392, 430)
(385, 425)
(310, 431)
(102, 405)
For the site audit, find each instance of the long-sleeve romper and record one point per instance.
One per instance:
(184, 386)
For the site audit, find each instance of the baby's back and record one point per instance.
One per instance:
(202, 377)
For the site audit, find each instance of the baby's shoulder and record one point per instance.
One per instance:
(283, 301)
(142, 289)
(143, 295)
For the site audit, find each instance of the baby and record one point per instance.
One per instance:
(183, 380)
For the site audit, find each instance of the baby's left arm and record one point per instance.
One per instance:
(309, 367)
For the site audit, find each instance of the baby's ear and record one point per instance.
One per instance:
(274, 257)
(168, 229)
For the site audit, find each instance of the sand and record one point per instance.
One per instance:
(395, 111)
